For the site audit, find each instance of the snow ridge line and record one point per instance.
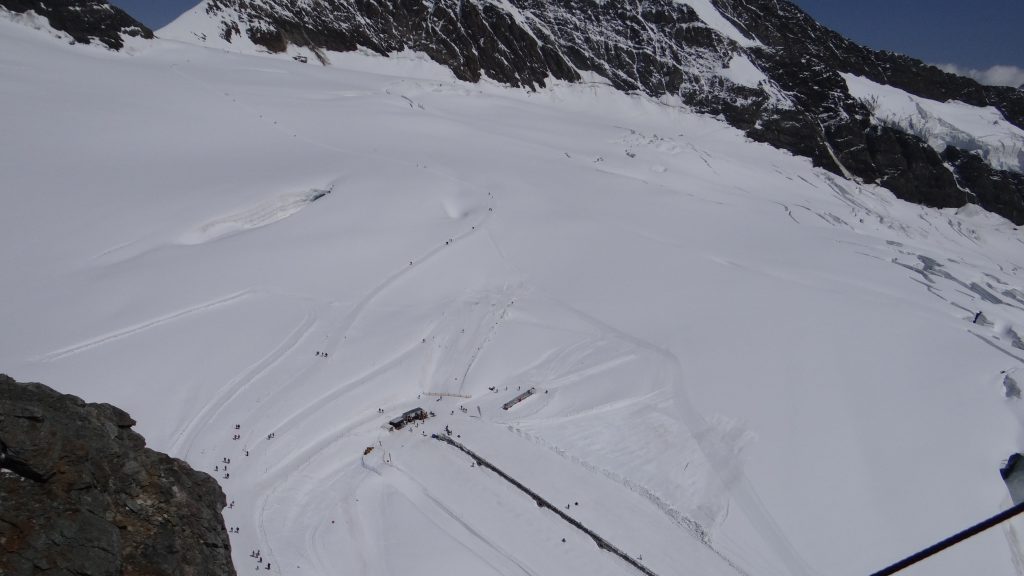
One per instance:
(541, 502)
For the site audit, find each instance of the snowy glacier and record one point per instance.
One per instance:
(744, 365)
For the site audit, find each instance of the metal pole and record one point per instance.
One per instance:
(954, 539)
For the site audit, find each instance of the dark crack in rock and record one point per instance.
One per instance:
(81, 494)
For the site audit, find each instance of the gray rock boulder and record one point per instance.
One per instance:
(80, 494)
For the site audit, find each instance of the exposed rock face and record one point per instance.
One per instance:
(998, 191)
(806, 58)
(662, 47)
(84, 20)
(81, 494)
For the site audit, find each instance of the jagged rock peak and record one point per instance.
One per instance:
(84, 20)
(81, 494)
(764, 66)
(519, 42)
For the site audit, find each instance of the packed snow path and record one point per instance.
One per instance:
(541, 502)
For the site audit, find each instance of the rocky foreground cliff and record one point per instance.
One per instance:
(80, 494)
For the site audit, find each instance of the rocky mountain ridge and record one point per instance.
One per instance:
(81, 494)
(85, 21)
(789, 92)
(764, 66)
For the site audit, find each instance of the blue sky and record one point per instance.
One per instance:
(968, 33)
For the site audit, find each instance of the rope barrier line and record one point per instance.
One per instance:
(541, 502)
(954, 539)
(605, 545)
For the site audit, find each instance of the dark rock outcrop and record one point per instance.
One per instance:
(84, 20)
(805, 58)
(997, 190)
(661, 47)
(81, 494)
(782, 26)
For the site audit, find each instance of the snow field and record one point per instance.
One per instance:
(745, 365)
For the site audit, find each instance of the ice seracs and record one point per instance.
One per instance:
(941, 124)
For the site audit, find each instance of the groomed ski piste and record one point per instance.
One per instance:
(744, 365)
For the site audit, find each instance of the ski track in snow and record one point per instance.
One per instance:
(131, 331)
(738, 486)
(341, 330)
(345, 325)
(307, 453)
(679, 518)
(448, 370)
(457, 528)
(208, 415)
(367, 547)
(293, 466)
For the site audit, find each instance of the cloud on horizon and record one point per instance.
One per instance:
(998, 75)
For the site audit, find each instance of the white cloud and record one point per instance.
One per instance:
(998, 75)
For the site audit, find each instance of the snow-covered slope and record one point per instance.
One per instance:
(744, 365)
(764, 66)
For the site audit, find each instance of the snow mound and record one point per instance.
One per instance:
(263, 214)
